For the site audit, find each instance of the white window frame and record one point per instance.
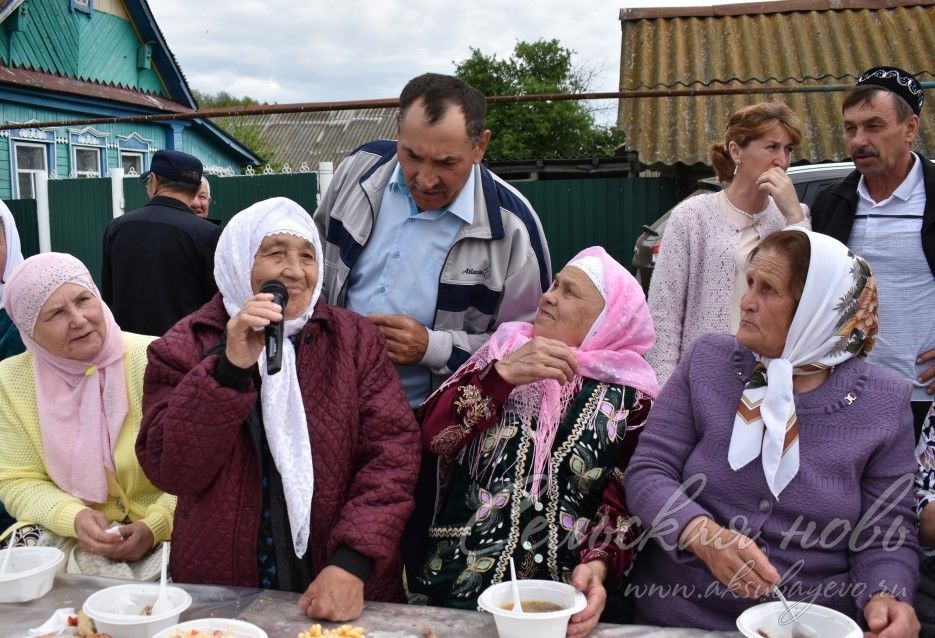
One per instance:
(28, 171)
(137, 154)
(85, 6)
(74, 161)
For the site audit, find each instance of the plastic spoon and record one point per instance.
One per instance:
(798, 631)
(9, 552)
(162, 604)
(517, 606)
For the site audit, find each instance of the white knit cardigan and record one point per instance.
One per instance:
(692, 285)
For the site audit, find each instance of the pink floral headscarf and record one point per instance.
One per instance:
(612, 352)
(81, 404)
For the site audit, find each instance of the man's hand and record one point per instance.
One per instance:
(929, 375)
(335, 595)
(537, 359)
(890, 618)
(732, 558)
(588, 578)
(406, 338)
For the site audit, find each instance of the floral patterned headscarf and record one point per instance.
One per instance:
(836, 319)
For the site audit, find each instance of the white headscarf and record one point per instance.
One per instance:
(836, 319)
(280, 396)
(14, 252)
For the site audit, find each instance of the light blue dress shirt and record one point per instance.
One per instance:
(399, 268)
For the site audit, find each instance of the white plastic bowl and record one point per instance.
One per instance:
(30, 573)
(821, 620)
(550, 624)
(238, 628)
(116, 610)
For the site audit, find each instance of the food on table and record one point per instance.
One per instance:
(344, 631)
(534, 606)
(147, 610)
(428, 632)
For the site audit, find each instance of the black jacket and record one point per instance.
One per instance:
(834, 209)
(158, 265)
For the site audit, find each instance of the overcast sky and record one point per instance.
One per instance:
(309, 51)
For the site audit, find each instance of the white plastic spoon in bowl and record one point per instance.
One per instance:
(163, 604)
(9, 552)
(517, 606)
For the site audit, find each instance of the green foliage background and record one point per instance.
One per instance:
(533, 130)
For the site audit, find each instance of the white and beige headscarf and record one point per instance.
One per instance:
(280, 396)
(836, 319)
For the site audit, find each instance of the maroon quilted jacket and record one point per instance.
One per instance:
(365, 448)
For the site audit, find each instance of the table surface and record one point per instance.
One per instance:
(278, 614)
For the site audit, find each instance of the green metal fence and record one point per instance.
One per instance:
(24, 214)
(575, 213)
(608, 212)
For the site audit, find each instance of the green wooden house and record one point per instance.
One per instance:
(65, 60)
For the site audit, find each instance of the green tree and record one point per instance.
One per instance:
(528, 130)
(241, 128)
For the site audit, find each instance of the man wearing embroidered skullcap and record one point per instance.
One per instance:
(158, 261)
(885, 212)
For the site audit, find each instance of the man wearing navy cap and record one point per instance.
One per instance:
(159, 260)
(885, 212)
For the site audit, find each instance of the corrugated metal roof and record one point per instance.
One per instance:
(800, 42)
(325, 136)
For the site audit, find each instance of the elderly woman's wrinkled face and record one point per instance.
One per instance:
(768, 306)
(291, 260)
(568, 309)
(71, 323)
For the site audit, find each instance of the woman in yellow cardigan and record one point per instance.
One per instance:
(70, 410)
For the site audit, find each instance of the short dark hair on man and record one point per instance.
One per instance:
(438, 92)
(865, 94)
(184, 188)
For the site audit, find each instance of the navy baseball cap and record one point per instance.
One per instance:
(175, 166)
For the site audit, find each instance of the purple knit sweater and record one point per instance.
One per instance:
(855, 444)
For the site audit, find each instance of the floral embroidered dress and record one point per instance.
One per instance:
(483, 521)
(925, 455)
(534, 471)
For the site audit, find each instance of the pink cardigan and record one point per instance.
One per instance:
(692, 285)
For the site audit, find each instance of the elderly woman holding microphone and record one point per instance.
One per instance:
(70, 410)
(780, 457)
(298, 479)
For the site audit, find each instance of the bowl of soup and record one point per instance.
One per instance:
(547, 606)
(770, 620)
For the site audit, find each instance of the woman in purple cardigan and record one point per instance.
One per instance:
(780, 457)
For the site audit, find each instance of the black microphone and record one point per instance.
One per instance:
(273, 331)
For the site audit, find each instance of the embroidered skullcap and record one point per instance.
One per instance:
(896, 80)
(594, 269)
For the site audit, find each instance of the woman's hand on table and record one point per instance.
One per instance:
(890, 618)
(335, 594)
(537, 359)
(588, 578)
(732, 558)
(244, 337)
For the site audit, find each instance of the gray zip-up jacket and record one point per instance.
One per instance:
(496, 270)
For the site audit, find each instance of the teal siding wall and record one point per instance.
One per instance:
(99, 47)
(194, 141)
